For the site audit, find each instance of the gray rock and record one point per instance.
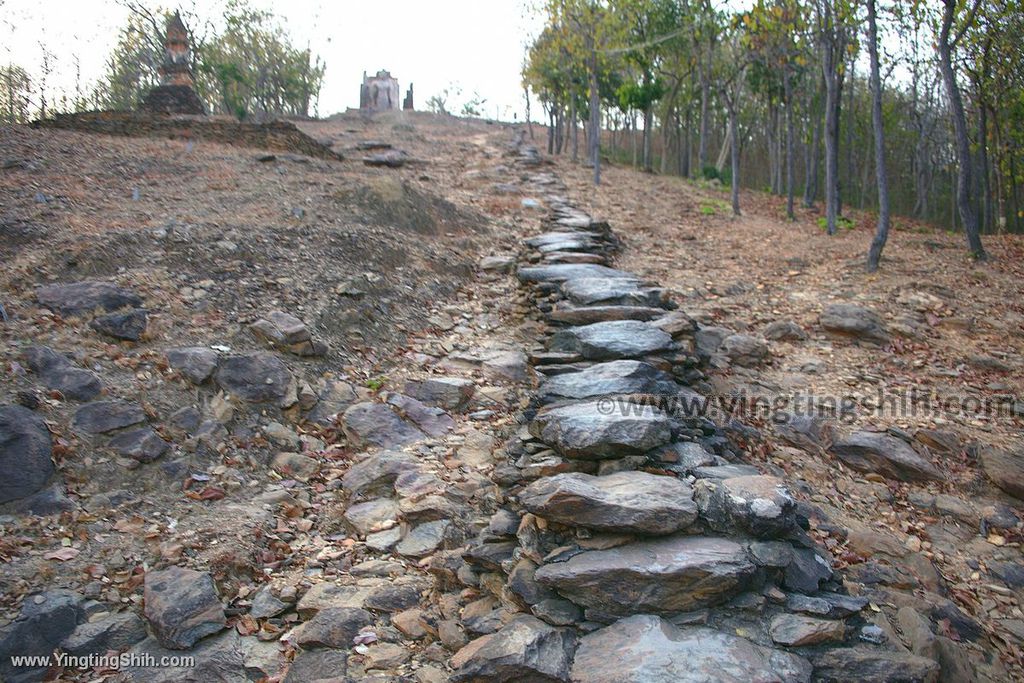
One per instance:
(197, 363)
(807, 432)
(613, 292)
(586, 315)
(887, 455)
(872, 665)
(144, 444)
(395, 597)
(116, 632)
(725, 471)
(760, 505)
(182, 606)
(602, 429)
(707, 340)
(557, 612)
(611, 340)
(329, 666)
(369, 517)
(744, 350)
(647, 649)
(522, 581)
(255, 378)
(78, 298)
(218, 659)
(526, 650)
(100, 417)
(426, 538)
(376, 474)
(784, 330)
(58, 372)
(854, 321)
(333, 627)
(794, 630)
(375, 424)
(431, 420)
(333, 399)
(46, 619)
(627, 502)
(25, 453)
(684, 456)
(449, 393)
(1005, 467)
(606, 379)
(266, 605)
(560, 272)
(129, 326)
(831, 605)
(776, 554)
(806, 571)
(661, 576)
(558, 238)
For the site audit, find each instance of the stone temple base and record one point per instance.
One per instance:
(173, 99)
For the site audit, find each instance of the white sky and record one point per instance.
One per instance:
(478, 45)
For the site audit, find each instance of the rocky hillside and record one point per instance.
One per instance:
(439, 414)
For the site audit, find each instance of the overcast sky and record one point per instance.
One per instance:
(478, 45)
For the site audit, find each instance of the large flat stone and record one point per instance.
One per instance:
(560, 272)
(58, 372)
(375, 424)
(77, 298)
(606, 428)
(182, 606)
(872, 665)
(613, 291)
(628, 502)
(586, 315)
(887, 455)
(611, 340)
(255, 378)
(100, 417)
(1005, 467)
(756, 504)
(526, 650)
(606, 379)
(25, 450)
(854, 321)
(648, 649)
(661, 576)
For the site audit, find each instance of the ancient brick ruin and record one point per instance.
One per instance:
(380, 92)
(176, 93)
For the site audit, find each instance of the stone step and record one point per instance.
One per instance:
(609, 378)
(611, 340)
(560, 272)
(613, 291)
(648, 649)
(625, 502)
(660, 576)
(597, 430)
(586, 315)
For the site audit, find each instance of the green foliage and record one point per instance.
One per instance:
(249, 69)
(842, 223)
(376, 383)
(252, 69)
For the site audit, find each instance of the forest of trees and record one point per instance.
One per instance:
(245, 65)
(913, 106)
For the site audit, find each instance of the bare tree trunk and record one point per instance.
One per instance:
(684, 168)
(574, 127)
(705, 96)
(882, 232)
(648, 123)
(735, 154)
(594, 140)
(789, 141)
(633, 138)
(963, 144)
(811, 186)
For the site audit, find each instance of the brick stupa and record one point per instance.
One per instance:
(176, 93)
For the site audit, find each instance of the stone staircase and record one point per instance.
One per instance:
(637, 544)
